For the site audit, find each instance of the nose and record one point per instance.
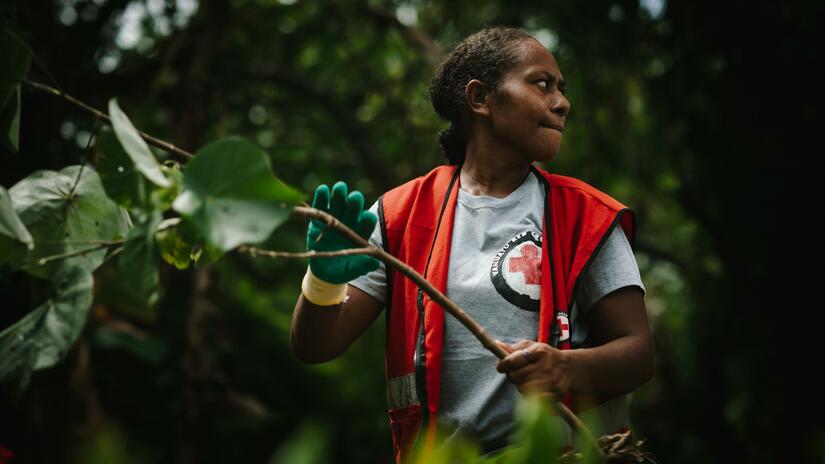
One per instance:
(560, 105)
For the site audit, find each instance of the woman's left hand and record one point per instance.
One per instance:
(535, 367)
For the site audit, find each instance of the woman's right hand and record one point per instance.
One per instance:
(349, 209)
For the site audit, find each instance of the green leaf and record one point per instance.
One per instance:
(10, 122)
(15, 239)
(62, 220)
(41, 338)
(174, 248)
(539, 434)
(15, 58)
(231, 196)
(139, 259)
(308, 445)
(135, 146)
(122, 182)
(163, 197)
(180, 244)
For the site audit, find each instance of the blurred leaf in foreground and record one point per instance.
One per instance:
(231, 196)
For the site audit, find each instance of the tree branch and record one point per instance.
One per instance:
(415, 36)
(149, 139)
(434, 293)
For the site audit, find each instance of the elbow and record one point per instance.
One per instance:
(308, 355)
(650, 363)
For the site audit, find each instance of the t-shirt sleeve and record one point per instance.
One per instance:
(614, 267)
(374, 282)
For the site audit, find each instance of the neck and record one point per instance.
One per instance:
(486, 172)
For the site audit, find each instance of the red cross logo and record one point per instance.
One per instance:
(529, 264)
(565, 328)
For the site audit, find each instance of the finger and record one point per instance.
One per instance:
(321, 199)
(504, 346)
(521, 344)
(339, 199)
(512, 361)
(355, 204)
(367, 224)
(522, 374)
(364, 264)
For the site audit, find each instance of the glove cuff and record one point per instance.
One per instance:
(322, 293)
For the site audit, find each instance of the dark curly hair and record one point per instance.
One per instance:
(485, 55)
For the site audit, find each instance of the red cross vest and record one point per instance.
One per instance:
(416, 222)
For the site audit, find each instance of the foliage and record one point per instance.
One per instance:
(57, 225)
(671, 115)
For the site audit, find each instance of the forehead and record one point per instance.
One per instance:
(535, 58)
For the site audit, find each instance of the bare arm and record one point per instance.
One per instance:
(624, 357)
(323, 333)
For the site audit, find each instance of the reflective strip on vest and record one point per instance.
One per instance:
(401, 392)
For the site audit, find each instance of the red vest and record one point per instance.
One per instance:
(416, 221)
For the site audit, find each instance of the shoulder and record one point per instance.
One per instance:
(413, 186)
(424, 193)
(576, 190)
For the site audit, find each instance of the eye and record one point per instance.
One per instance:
(548, 83)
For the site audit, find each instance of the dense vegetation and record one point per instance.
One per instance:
(162, 344)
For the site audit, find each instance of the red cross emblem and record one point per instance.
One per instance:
(565, 328)
(529, 264)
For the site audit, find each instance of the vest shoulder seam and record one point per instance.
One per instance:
(572, 183)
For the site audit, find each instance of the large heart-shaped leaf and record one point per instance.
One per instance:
(63, 217)
(135, 146)
(231, 196)
(43, 336)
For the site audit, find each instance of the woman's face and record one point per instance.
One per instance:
(529, 110)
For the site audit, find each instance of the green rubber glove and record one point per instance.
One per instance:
(348, 209)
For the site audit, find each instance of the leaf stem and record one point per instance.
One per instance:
(47, 259)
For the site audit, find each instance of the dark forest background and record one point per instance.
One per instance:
(698, 115)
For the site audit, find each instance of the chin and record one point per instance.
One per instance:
(547, 157)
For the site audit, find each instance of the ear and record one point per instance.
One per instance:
(478, 97)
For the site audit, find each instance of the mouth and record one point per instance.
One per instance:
(553, 126)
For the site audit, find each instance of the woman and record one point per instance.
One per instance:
(476, 229)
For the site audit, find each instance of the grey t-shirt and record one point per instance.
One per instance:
(494, 275)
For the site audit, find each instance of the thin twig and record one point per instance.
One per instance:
(252, 251)
(149, 139)
(47, 259)
(111, 255)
